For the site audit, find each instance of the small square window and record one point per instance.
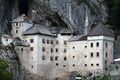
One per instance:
(91, 44)
(56, 64)
(16, 31)
(31, 66)
(73, 47)
(97, 54)
(43, 57)
(16, 24)
(43, 40)
(85, 56)
(85, 64)
(48, 42)
(21, 49)
(97, 64)
(31, 49)
(91, 64)
(65, 50)
(91, 54)
(65, 42)
(64, 65)
(65, 58)
(73, 64)
(31, 40)
(97, 44)
(6, 39)
(57, 50)
(106, 54)
(51, 41)
(85, 46)
(73, 56)
(43, 49)
(52, 50)
(106, 45)
(51, 58)
(56, 58)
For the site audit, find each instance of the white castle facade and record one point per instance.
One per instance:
(56, 54)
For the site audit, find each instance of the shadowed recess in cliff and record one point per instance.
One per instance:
(23, 6)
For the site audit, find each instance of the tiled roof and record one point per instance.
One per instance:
(38, 29)
(101, 29)
(6, 36)
(78, 38)
(22, 18)
(21, 43)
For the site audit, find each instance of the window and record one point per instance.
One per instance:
(85, 56)
(31, 49)
(73, 56)
(97, 44)
(57, 42)
(64, 65)
(43, 49)
(52, 50)
(73, 64)
(106, 54)
(43, 40)
(91, 44)
(65, 50)
(97, 54)
(6, 39)
(21, 49)
(51, 58)
(43, 57)
(91, 64)
(91, 54)
(106, 45)
(16, 24)
(57, 50)
(51, 41)
(31, 40)
(65, 58)
(31, 66)
(16, 31)
(56, 64)
(73, 47)
(85, 46)
(97, 64)
(85, 64)
(65, 42)
(56, 58)
(48, 42)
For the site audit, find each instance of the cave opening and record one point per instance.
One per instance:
(23, 6)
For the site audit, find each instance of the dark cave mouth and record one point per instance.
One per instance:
(23, 6)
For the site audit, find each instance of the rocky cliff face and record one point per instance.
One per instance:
(5, 15)
(66, 13)
(58, 13)
(10, 57)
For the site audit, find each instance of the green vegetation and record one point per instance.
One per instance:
(114, 16)
(4, 73)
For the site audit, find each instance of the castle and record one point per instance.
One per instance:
(53, 53)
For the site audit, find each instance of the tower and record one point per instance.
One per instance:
(19, 25)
